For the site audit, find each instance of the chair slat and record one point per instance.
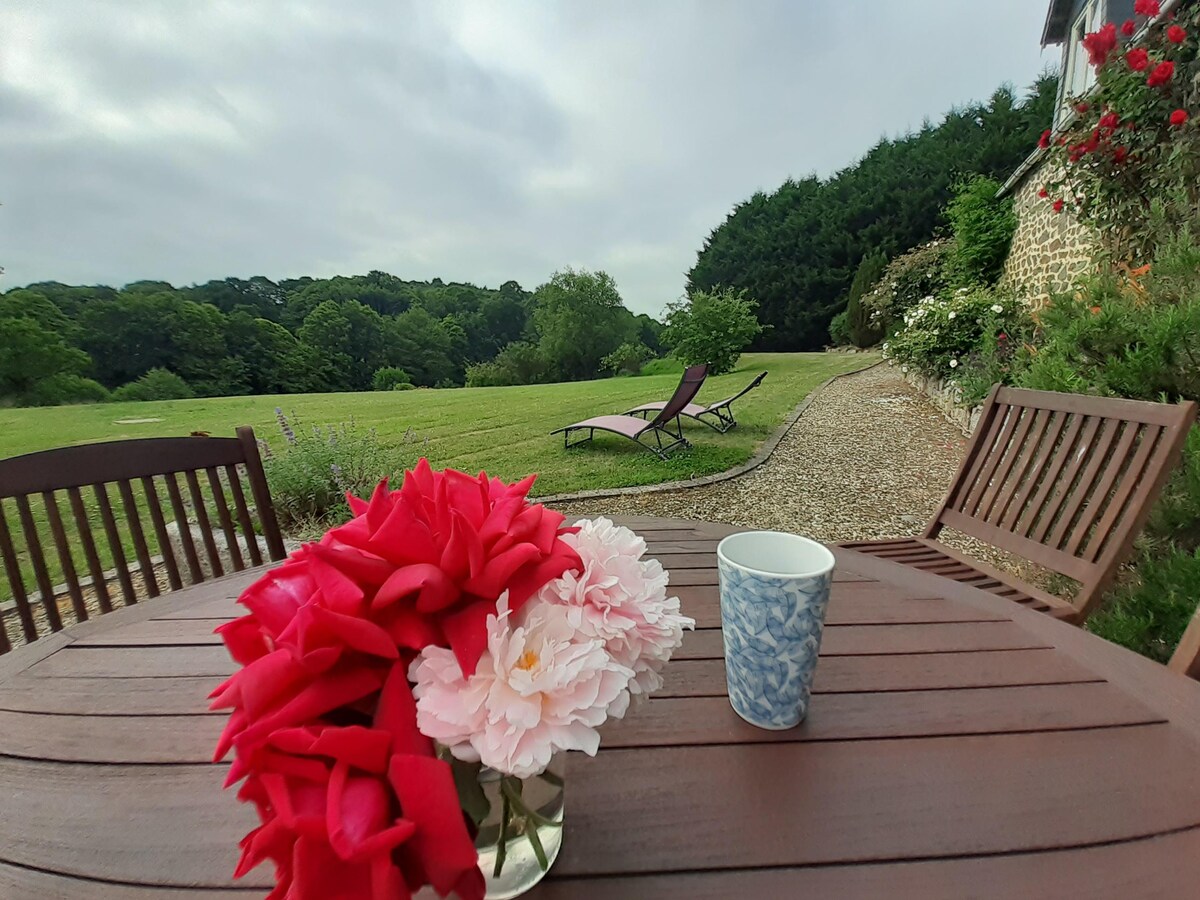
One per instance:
(1012, 453)
(1057, 460)
(83, 527)
(1055, 423)
(1116, 507)
(210, 546)
(59, 535)
(1097, 456)
(184, 529)
(262, 493)
(243, 515)
(34, 546)
(12, 569)
(218, 495)
(986, 463)
(128, 594)
(1103, 482)
(1062, 491)
(139, 540)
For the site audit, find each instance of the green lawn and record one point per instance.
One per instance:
(503, 430)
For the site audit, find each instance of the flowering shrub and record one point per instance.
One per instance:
(940, 334)
(921, 272)
(711, 328)
(1133, 142)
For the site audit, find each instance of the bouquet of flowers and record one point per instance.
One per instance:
(450, 628)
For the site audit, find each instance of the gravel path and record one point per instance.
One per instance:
(869, 458)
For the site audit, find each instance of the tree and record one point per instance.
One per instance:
(711, 328)
(796, 250)
(157, 384)
(31, 354)
(580, 319)
(864, 330)
(130, 334)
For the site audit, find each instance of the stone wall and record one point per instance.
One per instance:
(1049, 249)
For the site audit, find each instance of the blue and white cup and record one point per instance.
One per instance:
(774, 591)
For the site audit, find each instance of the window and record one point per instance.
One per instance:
(1077, 75)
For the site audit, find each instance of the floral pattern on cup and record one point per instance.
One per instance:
(772, 628)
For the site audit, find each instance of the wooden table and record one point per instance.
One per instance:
(957, 745)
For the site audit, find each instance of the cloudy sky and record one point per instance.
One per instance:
(475, 141)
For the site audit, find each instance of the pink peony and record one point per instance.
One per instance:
(541, 687)
(621, 599)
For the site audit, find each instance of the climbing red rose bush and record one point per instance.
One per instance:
(1132, 143)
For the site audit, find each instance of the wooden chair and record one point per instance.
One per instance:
(1186, 658)
(1063, 480)
(32, 483)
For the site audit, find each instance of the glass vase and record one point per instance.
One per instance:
(521, 833)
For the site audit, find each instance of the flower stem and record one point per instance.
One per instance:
(502, 844)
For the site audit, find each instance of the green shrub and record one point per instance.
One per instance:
(909, 278)
(404, 386)
(318, 465)
(864, 327)
(983, 226)
(157, 384)
(839, 329)
(390, 378)
(519, 363)
(940, 335)
(67, 388)
(627, 359)
(666, 366)
(711, 328)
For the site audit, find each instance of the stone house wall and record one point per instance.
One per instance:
(1049, 250)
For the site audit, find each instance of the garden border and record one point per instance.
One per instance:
(760, 456)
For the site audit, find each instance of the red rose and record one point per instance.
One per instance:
(1149, 8)
(1161, 74)
(1099, 44)
(1138, 59)
(1109, 120)
(1002, 336)
(1058, 206)
(1119, 154)
(1081, 108)
(1179, 117)
(1176, 35)
(1128, 28)
(1043, 193)
(1044, 140)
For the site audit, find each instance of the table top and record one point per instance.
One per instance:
(957, 744)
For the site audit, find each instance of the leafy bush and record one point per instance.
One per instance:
(983, 226)
(404, 386)
(157, 384)
(839, 329)
(67, 388)
(711, 328)
(319, 465)
(519, 363)
(939, 334)
(908, 279)
(667, 366)
(627, 359)
(865, 329)
(390, 378)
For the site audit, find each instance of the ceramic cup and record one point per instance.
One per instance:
(774, 590)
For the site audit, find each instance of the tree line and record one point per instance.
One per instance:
(64, 343)
(796, 250)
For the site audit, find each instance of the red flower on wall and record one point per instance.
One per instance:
(1137, 59)
(1147, 8)
(1109, 120)
(1179, 117)
(1128, 28)
(1099, 44)
(1161, 74)
(1081, 108)
(1044, 140)
(1176, 35)
(1043, 193)
(1120, 153)
(1058, 205)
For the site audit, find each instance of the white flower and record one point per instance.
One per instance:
(952, 315)
(954, 363)
(904, 369)
(997, 308)
(936, 332)
(885, 345)
(963, 290)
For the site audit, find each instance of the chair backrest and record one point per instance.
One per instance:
(1065, 480)
(105, 535)
(689, 386)
(748, 388)
(1186, 658)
